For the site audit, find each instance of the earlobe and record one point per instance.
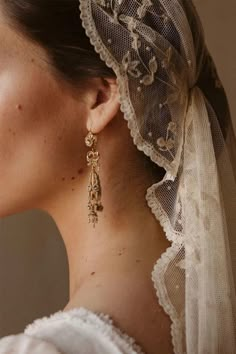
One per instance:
(106, 108)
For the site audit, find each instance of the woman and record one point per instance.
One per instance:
(71, 80)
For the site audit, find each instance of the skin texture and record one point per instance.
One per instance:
(43, 124)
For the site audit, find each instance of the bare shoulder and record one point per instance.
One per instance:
(134, 308)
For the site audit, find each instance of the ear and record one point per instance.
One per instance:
(104, 104)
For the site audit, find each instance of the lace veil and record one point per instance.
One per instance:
(177, 113)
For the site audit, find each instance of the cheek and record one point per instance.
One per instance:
(40, 139)
(25, 106)
(34, 110)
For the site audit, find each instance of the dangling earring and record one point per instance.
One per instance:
(94, 187)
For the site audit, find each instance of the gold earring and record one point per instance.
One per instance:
(94, 187)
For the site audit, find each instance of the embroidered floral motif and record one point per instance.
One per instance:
(181, 264)
(165, 18)
(136, 44)
(168, 143)
(141, 12)
(103, 3)
(166, 62)
(132, 23)
(131, 65)
(149, 78)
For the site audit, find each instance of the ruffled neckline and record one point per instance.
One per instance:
(101, 320)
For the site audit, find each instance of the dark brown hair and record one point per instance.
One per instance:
(56, 26)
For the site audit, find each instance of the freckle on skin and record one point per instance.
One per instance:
(19, 107)
(11, 131)
(92, 273)
(72, 177)
(63, 178)
(80, 171)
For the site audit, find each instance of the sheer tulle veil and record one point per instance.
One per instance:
(178, 115)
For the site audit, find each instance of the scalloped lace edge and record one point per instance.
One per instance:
(160, 266)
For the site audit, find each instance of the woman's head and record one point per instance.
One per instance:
(43, 118)
(54, 86)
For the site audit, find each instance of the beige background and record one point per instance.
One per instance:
(33, 263)
(219, 19)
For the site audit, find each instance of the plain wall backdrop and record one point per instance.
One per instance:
(33, 264)
(219, 20)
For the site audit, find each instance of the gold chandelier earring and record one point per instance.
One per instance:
(94, 187)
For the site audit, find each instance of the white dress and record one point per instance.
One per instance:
(75, 331)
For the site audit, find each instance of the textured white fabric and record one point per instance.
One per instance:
(158, 53)
(24, 344)
(76, 331)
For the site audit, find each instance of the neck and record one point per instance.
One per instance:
(127, 237)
